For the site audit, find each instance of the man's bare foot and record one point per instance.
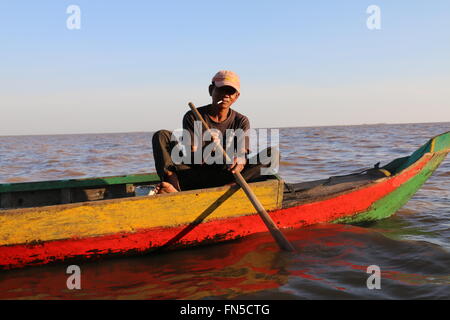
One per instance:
(165, 187)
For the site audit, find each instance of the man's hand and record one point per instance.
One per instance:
(238, 165)
(215, 136)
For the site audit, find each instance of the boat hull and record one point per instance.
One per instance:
(140, 225)
(368, 203)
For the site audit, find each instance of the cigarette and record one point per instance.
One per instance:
(219, 102)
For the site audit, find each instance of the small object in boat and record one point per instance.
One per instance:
(152, 191)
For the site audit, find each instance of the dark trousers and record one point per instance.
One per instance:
(198, 176)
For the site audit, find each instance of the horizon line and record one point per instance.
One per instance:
(287, 127)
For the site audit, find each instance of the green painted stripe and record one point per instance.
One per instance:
(388, 205)
(442, 142)
(79, 183)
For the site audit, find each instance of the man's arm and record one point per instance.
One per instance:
(188, 124)
(240, 160)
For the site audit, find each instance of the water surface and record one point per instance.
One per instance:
(412, 248)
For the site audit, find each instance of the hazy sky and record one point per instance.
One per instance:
(134, 65)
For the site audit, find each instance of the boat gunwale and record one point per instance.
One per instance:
(96, 203)
(139, 178)
(369, 184)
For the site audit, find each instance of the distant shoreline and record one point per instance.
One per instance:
(318, 126)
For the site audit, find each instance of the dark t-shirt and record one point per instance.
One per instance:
(235, 121)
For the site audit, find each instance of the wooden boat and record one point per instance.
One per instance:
(72, 220)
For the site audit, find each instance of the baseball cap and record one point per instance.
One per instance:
(227, 78)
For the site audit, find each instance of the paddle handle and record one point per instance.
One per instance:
(276, 233)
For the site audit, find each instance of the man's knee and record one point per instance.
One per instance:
(161, 137)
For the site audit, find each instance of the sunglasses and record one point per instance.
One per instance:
(226, 90)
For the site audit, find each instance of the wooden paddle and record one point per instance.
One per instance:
(276, 233)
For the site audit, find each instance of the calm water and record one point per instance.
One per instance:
(412, 248)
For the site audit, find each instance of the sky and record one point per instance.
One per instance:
(133, 66)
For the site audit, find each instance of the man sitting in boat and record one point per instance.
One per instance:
(224, 91)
